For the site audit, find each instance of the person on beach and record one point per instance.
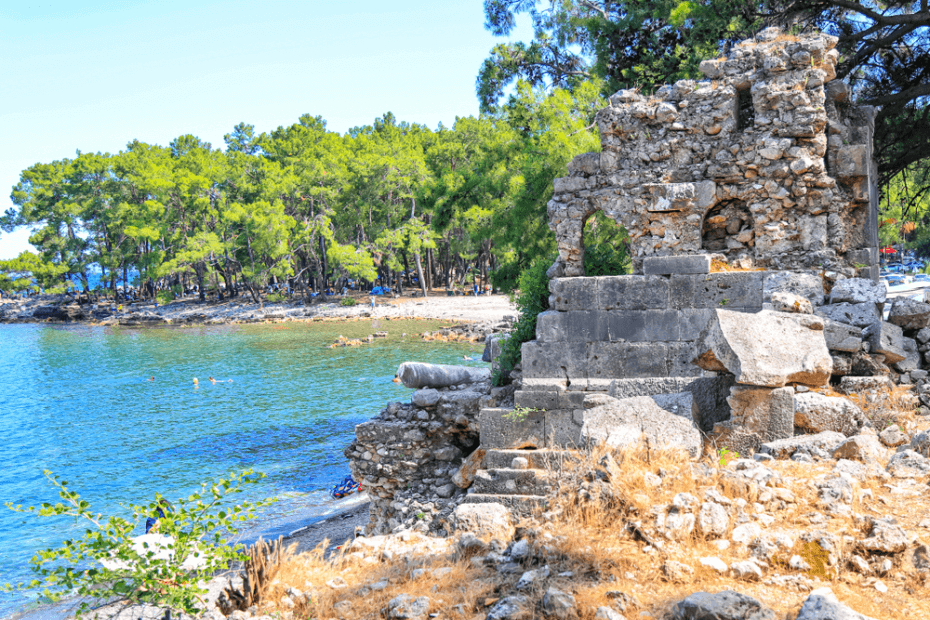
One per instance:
(372, 302)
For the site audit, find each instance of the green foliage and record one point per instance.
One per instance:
(606, 247)
(275, 298)
(532, 298)
(347, 301)
(107, 563)
(725, 455)
(164, 298)
(518, 414)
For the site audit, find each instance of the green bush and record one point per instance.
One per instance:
(347, 301)
(606, 245)
(164, 298)
(136, 571)
(274, 298)
(531, 299)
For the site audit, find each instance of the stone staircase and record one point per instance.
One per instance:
(518, 479)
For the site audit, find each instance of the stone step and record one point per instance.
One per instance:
(523, 505)
(512, 481)
(536, 459)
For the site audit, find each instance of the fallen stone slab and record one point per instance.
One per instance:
(858, 291)
(822, 604)
(859, 315)
(911, 359)
(420, 375)
(791, 303)
(484, 520)
(860, 448)
(853, 385)
(842, 337)
(816, 413)
(767, 349)
(785, 448)
(909, 313)
(621, 422)
(726, 605)
(766, 412)
(886, 339)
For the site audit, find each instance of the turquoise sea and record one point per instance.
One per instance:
(77, 400)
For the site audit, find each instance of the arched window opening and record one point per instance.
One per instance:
(728, 229)
(606, 246)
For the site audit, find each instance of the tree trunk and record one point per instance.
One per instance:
(416, 257)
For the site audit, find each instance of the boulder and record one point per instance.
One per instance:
(892, 437)
(886, 339)
(726, 605)
(791, 303)
(465, 476)
(822, 604)
(616, 422)
(805, 284)
(511, 608)
(909, 313)
(858, 291)
(911, 361)
(784, 448)
(493, 346)
(816, 413)
(885, 536)
(854, 385)
(860, 315)
(419, 375)
(769, 413)
(767, 349)
(406, 607)
(427, 397)
(484, 520)
(908, 464)
(842, 337)
(860, 448)
(558, 604)
(921, 443)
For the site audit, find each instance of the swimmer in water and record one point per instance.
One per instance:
(212, 380)
(151, 378)
(196, 382)
(468, 359)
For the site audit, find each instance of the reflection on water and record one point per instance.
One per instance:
(77, 400)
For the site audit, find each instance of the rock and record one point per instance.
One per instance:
(465, 475)
(885, 537)
(860, 448)
(821, 604)
(419, 375)
(676, 572)
(892, 436)
(616, 422)
(484, 520)
(511, 608)
(785, 448)
(908, 464)
(859, 315)
(803, 284)
(427, 397)
(767, 349)
(337, 583)
(558, 604)
(713, 520)
(789, 302)
(816, 413)
(769, 413)
(493, 346)
(406, 607)
(854, 385)
(715, 563)
(842, 337)
(531, 577)
(858, 291)
(520, 550)
(909, 314)
(726, 605)
(921, 443)
(746, 570)
(886, 339)
(798, 563)
(675, 524)
(606, 613)
(744, 534)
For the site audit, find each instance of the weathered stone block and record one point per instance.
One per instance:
(887, 339)
(585, 326)
(858, 291)
(554, 359)
(692, 321)
(860, 315)
(816, 413)
(501, 430)
(852, 161)
(628, 325)
(842, 337)
(646, 360)
(632, 292)
(680, 360)
(909, 313)
(769, 413)
(679, 403)
(803, 283)
(662, 326)
(765, 349)
(740, 289)
(606, 360)
(562, 429)
(616, 423)
(573, 293)
(548, 400)
(667, 265)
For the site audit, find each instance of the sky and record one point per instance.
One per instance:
(93, 75)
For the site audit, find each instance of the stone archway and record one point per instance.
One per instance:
(728, 229)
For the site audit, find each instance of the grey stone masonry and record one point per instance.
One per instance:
(667, 265)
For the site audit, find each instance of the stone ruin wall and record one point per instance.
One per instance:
(765, 163)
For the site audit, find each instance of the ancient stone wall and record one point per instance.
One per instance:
(765, 163)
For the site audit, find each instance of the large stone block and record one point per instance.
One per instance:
(679, 403)
(769, 413)
(816, 413)
(562, 360)
(736, 289)
(692, 321)
(662, 326)
(646, 359)
(909, 314)
(804, 283)
(842, 337)
(628, 325)
(502, 429)
(766, 349)
(858, 291)
(667, 265)
(860, 315)
(632, 292)
(573, 293)
(621, 422)
(709, 393)
(606, 360)
(853, 161)
(680, 360)
(887, 339)
(584, 326)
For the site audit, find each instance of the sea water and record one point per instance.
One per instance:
(78, 401)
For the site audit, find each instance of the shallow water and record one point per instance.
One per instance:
(77, 401)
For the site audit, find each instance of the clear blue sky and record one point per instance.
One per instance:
(93, 75)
